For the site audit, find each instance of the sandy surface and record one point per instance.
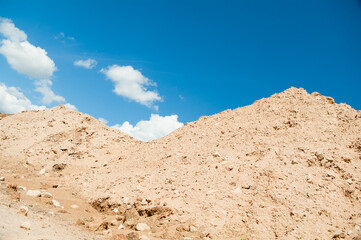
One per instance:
(43, 223)
(285, 167)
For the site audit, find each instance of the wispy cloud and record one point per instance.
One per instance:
(88, 63)
(61, 36)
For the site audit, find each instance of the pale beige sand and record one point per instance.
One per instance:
(285, 167)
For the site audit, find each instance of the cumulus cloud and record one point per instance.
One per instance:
(22, 55)
(89, 63)
(131, 84)
(104, 121)
(8, 29)
(14, 101)
(44, 87)
(28, 59)
(154, 128)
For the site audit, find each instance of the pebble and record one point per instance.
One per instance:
(192, 228)
(42, 171)
(142, 227)
(74, 206)
(28, 162)
(2, 179)
(21, 188)
(33, 193)
(216, 154)
(357, 227)
(294, 161)
(25, 225)
(23, 210)
(46, 195)
(56, 203)
(121, 226)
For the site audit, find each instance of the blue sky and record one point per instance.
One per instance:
(204, 56)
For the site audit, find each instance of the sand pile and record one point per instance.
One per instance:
(285, 167)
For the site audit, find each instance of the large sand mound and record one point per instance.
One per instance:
(285, 167)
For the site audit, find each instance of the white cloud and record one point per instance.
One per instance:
(8, 29)
(89, 63)
(131, 83)
(104, 121)
(70, 106)
(154, 128)
(14, 101)
(22, 55)
(28, 59)
(44, 87)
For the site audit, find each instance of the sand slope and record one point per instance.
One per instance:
(285, 167)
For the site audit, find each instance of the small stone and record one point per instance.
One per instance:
(56, 203)
(192, 228)
(2, 179)
(25, 225)
(80, 222)
(28, 162)
(46, 195)
(142, 227)
(42, 171)
(113, 222)
(21, 188)
(33, 193)
(121, 226)
(339, 234)
(59, 167)
(131, 214)
(357, 227)
(23, 210)
(74, 206)
(349, 232)
(294, 161)
(216, 154)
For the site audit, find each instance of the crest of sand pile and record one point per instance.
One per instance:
(285, 167)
